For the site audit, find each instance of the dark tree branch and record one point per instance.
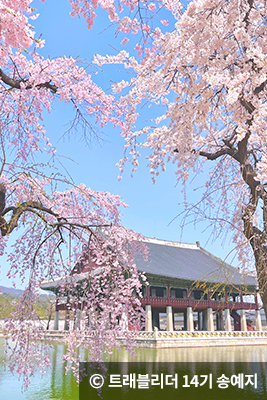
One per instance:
(247, 105)
(38, 209)
(16, 83)
(2, 197)
(217, 154)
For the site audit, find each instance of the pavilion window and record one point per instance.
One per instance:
(158, 291)
(215, 296)
(197, 294)
(179, 293)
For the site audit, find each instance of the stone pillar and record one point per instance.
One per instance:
(83, 319)
(256, 299)
(227, 323)
(148, 326)
(258, 321)
(77, 319)
(205, 320)
(200, 321)
(219, 320)
(190, 323)
(169, 319)
(67, 322)
(210, 319)
(124, 319)
(243, 320)
(56, 319)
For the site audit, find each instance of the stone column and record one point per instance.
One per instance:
(256, 298)
(205, 320)
(83, 319)
(67, 321)
(56, 319)
(124, 319)
(210, 319)
(258, 321)
(243, 320)
(148, 326)
(169, 319)
(227, 323)
(77, 319)
(190, 323)
(219, 320)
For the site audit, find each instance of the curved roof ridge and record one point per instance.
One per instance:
(192, 246)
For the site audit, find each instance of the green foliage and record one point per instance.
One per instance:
(9, 302)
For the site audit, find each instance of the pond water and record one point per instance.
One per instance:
(55, 385)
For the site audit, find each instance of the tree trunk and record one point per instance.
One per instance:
(260, 255)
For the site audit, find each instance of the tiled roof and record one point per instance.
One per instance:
(189, 262)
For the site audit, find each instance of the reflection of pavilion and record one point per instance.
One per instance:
(188, 284)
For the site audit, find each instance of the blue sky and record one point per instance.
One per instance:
(151, 206)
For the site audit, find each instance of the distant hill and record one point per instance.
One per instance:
(9, 300)
(9, 290)
(18, 292)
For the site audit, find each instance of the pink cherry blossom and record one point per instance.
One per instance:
(152, 6)
(205, 71)
(124, 41)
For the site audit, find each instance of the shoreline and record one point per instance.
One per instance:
(178, 339)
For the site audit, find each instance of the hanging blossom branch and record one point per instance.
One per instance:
(52, 226)
(106, 278)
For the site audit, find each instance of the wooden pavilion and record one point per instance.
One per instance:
(188, 288)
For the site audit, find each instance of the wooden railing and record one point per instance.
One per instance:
(197, 305)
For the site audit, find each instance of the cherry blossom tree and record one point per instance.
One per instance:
(202, 64)
(207, 75)
(100, 287)
(55, 223)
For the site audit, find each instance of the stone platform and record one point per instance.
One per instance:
(161, 339)
(176, 339)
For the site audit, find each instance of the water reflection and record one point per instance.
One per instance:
(55, 385)
(197, 354)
